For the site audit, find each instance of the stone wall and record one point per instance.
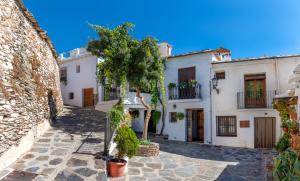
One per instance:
(29, 75)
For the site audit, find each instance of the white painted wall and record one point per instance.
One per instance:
(202, 62)
(225, 103)
(76, 82)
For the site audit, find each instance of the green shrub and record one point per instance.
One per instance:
(144, 142)
(283, 143)
(156, 116)
(127, 142)
(116, 115)
(287, 166)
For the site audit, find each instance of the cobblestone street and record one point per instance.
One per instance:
(193, 161)
(66, 153)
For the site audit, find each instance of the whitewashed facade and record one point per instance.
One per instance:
(204, 105)
(78, 78)
(194, 103)
(235, 99)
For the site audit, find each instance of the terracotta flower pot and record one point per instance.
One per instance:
(285, 130)
(117, 167)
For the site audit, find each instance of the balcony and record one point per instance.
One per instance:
(177, 92)
(111, 94)
(255, 99)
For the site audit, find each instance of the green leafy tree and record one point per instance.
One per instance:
(145, 68)
(126, 59)
(114, 46)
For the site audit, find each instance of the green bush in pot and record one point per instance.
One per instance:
(127, 142)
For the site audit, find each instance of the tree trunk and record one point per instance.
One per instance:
(148, 114)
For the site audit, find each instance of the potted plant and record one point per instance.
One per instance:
(193, 83)
(171, 85)
(183, 85)
(127, 146)
(180, 116)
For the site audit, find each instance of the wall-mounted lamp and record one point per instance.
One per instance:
(215, 84)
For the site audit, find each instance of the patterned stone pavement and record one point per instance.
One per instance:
(66, 151)
(198, 162)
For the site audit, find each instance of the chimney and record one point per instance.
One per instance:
(165, 49)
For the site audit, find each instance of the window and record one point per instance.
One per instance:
(71, 95)
(173, 117)
(77, 68)
(220, 75)
(226, 126)
(63, 74)
(255, 91)
(134, 113)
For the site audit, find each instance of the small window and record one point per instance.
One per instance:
(63, 74)
(77, 68)
(173, 117)
(220, 75)
(226, 126)
(71, 95)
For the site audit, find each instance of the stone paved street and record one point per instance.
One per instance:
(66, 153)
(198, 162)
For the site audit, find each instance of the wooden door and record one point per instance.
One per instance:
(195, 125)
(264, 132)
(88, 97)
(189, 123)
(201, 125)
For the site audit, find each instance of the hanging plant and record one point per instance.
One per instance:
(180, 116)
(156, 116)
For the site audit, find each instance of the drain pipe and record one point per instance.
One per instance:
(210, 99)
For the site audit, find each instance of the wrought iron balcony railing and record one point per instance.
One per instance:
(185, 92)
(255, 99)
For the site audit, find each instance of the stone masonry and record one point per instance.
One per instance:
(29, 75)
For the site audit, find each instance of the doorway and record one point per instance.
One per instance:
(151, 124)
(88, 97)
(195, 125)
(264, 132)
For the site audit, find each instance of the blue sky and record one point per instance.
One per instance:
(249, 28)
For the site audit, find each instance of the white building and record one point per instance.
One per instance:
(235, 109)
(242, 109)
(78, 78)
(187, 81)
